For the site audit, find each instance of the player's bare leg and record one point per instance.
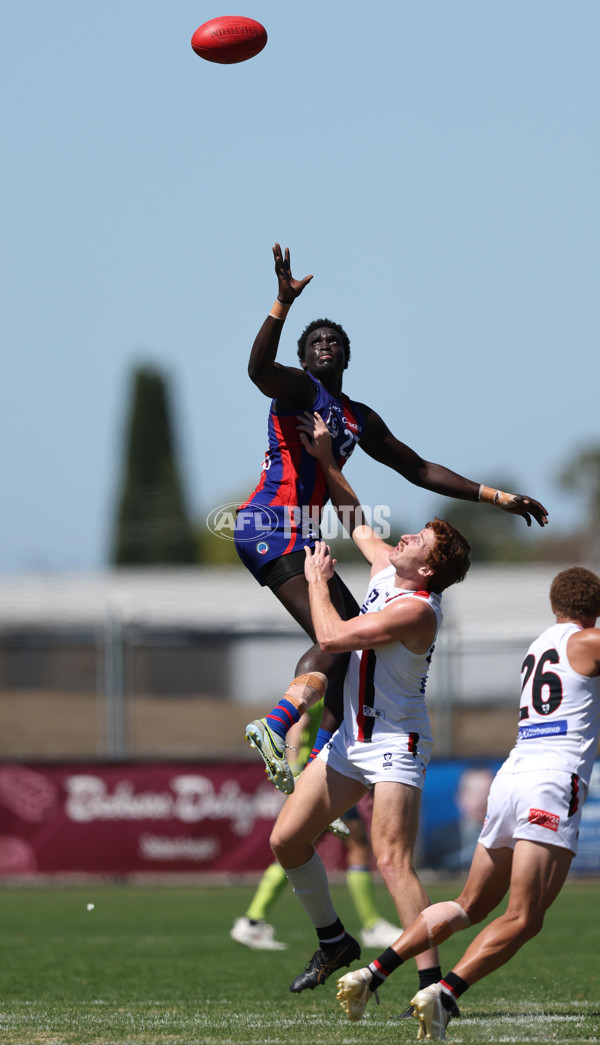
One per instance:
(393, 836)
(538, 874)
(320, 796)
(486, 885)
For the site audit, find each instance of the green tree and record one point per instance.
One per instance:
(152, 524)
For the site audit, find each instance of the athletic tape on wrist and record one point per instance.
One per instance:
(279, 310)
(491, 496)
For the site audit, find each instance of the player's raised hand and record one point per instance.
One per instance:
(527, 507)
(515, 504)
(319, 565)
(289, 288)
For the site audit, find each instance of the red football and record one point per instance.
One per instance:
(229, 39)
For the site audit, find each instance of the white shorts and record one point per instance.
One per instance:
(540, 805)
(398, 757)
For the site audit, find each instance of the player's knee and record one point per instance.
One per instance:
(285, 842)
(278, 843)
(306, 690)
(443, 920)
(526, 923)
(394, 862)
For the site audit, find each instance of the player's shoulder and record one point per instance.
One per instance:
(585, 637)
(302, 393)
(374, 430)
(367, 411)
(421, 601)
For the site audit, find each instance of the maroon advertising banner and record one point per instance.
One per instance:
(128, 818)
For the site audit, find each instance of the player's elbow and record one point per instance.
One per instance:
(328, 640)
(335, 644)
(327, 644)
(254, 372)
(259, 378)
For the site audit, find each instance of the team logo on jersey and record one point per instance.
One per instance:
(262, 547)
(332, 424)
(544, 819)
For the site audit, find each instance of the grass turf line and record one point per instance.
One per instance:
(156, 965)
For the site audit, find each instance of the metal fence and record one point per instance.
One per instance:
(128, 691)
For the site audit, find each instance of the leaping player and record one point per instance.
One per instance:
(281, 517)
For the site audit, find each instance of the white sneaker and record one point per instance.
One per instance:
(258, 935)
(431, 1014)
(380, 934)
(354, 993)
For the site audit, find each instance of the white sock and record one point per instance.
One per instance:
(309, 882)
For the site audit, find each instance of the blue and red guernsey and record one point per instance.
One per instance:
(290, 475)
(283, 513)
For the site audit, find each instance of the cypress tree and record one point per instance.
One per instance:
(152, 525)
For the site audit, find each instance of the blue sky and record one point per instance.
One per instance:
(435, 165)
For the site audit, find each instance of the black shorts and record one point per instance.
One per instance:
(277, 571)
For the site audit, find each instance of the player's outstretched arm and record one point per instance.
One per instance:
(408, 619)
(380, 444)
(273, 379)
(316, 439)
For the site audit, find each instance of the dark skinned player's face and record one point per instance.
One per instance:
(324, 353)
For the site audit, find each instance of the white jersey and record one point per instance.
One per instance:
(384, 690)
(559, 719)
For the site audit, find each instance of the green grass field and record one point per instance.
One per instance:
(156, 965)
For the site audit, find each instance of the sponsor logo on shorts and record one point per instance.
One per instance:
(387, 760)
(556, 728)
(262, 547)
(544, 819)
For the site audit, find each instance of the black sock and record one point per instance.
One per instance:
(383, 966)
(330, 936)
(452, 988)
(429, 976)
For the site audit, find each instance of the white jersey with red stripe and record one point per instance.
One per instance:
(384, 690)
(559, 718)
